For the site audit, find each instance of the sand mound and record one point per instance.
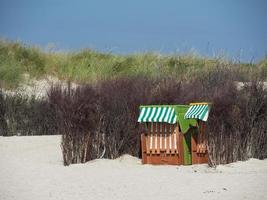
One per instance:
(31, 168)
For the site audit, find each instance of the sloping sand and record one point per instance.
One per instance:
(31, 168)
(38, 88)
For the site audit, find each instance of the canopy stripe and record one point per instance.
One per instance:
(200, 111)
(157, 114)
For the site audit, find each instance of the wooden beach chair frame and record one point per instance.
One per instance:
(165, 143)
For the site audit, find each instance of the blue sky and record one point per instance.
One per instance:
(236, 28)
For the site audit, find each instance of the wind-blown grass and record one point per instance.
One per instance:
(87, 66)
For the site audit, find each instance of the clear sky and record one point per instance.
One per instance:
(237, 28)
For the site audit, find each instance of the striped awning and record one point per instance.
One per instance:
(198, 111)
(157, 114)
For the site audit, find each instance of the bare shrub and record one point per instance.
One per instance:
(21, 115)
(101, 121)
(78, 118)
(237, 122)
(3, 123)
(119, 102)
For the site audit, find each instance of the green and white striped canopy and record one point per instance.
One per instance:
(198, 111)
(157, 114)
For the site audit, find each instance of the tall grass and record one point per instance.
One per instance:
(87, 66)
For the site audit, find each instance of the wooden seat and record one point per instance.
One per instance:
(199, 146)
(201, 143)
(161, 144)
(162, 138)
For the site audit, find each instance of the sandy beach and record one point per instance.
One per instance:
(31, 168)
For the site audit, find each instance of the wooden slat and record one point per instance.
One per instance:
(143, 146)
(156, 136)
(156, 128)
(160, 137)
(143, 142)
(153, 138)
(165, 137)
(173, 142)
(201, 138)
(148, 139)
(198, 139)
(168, 139)
(204, 138)
(177, 139)
(150, 142)
(153, 143)
(158, 140)
(161, 141)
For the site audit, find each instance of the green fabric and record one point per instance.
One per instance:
(157, 114)
(179, 113)
(187, 148)
(200, 111)
(184, 123)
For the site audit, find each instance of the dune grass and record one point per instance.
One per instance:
(86, 66)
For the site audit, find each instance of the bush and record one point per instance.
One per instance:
(237, 122)
(3, 123)
(20, 115)
(101, 120)
(78, 118)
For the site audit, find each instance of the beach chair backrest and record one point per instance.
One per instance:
(162, 137)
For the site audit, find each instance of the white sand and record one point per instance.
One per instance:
(37, 87)
(31, 168)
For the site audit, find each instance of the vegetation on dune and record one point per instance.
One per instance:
(99, 117)
(87, 66)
